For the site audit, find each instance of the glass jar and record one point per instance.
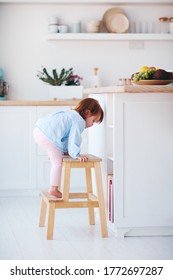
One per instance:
(164, 24)
(171, 25)
(120, 82)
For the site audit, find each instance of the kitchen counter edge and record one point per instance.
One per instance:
(71, 102)
(130, 89)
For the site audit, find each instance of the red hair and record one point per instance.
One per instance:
(92, 105)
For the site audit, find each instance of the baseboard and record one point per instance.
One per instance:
(15, 193)
(144, 231)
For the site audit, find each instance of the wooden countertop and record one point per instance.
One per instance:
(71, 102)
(130, 89)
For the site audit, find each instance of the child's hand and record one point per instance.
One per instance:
(82, 158)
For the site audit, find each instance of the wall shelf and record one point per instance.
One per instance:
(106, 37)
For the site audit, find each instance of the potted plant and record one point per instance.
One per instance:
(63, 85)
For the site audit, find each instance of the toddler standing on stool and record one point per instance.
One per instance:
(60, 133)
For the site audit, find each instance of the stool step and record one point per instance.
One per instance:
(67, 158)
(73, 195)
(48, 197)
(60, 203)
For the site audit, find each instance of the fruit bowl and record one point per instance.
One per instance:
(152, 76)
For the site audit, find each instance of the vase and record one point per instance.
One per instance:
(65, 92)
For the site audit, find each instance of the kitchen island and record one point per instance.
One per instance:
(136, 144)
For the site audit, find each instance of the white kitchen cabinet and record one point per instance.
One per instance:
(17, 160)
(43, 163)
(43, 111)
(139, 153)
(25, 167)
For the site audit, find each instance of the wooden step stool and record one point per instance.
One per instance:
(82, 200)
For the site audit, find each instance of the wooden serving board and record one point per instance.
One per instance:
(148, 88)
(130, 89)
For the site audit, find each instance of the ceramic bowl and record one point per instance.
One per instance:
(53, 28)
(92, 26)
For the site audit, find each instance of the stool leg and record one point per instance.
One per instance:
(89, 190)
(101, 199)
(42, 213)
(51, 217)
(66, 185)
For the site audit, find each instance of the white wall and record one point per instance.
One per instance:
(23, 49)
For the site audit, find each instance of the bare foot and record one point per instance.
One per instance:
(55, 192)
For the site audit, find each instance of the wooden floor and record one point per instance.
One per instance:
(22, 239)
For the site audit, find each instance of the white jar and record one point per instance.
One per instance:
(171, 25)
(53, 28)
(62, 28)
(76, 26)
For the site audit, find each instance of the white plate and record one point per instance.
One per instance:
(117, 23)
(109, 12)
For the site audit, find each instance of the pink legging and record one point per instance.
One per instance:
(54, 155)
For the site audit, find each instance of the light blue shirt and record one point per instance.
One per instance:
(64, 129)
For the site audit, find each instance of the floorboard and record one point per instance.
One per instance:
(74, 238)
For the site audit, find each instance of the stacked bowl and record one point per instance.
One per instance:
(53, 24)
(92, 26)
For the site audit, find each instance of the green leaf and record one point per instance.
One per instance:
(55, 74)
